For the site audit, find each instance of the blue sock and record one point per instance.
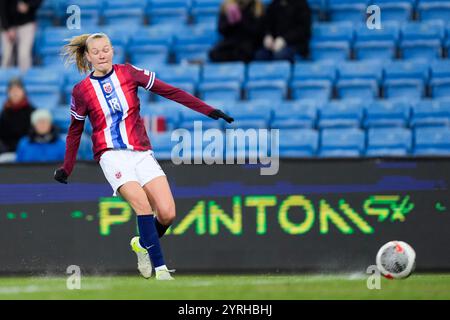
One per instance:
(149, 239)
(160, 228)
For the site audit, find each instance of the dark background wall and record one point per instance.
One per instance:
(314, 215)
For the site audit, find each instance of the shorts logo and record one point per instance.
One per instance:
(118, 174)
(107, 87)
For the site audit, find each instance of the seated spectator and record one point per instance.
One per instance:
(241, 28)
(15, 117)
(43, 143)
(287, 30)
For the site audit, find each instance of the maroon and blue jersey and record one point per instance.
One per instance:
(112, 106)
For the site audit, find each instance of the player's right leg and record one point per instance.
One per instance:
(133, 193)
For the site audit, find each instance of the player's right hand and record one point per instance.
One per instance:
(61, 175)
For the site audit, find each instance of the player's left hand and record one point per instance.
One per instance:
(216, 114)
(61, 175)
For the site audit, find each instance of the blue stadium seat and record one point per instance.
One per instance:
(405, 79)
(222, 81)
(162, 144)
(150, 44)
(250, 114)
(434, 10)
(296, 143)
(169, 110)
(377, 43)
(61, 118)
(225, 90)
(371, 69)
(331, 41)
(357, 88)
(185, 77)
(432, 141)
(321, 90)
(44, 100)
(313, 80)
(228, 71)
(47, 14)
(382, 142)
(342, 143)
(205, 11)
(440, 79)
(123, 16)
(295, 114)
(395, 10)
(167, 11)
(268, 80)
(359, 79)
(314, 71)
(431, 113)
(387, 113)
(6, 74)
(348, 10)
(193, 43)
(422, 40)
(341, 114)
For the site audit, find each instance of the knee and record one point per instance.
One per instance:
(166, 213)
(140, 205)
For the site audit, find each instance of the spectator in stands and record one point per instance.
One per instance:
(15, 117)
(287, 30)
(240, 24)
(18, 26)
(43, 143)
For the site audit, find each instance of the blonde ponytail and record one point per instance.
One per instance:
(75, 50)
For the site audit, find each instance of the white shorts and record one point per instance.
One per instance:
(121, 166)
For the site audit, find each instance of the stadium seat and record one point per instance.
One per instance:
(6, 74)
(85, 150)
(422, 40)
(45, 100)
(342, 143)
(150, 44)
(250, 114)
(185, 77)
(167, 11)
(433, 10)
(193, 43)
(268, 80)
(168, 110)
(205, 11)
(162, 145)
(387, 113)
(347, 10)
(359, 79)
(432, 141)
(61, 118)
(295, 114)
(294, 143)
(340, 114)
(382, 142)
(313, 80)
(405, 79)
(47, 14)
(331, 41)
(431, 113)
(395, 10)
(378, 44)
(222, 81)
(123, 16)
(440, 79)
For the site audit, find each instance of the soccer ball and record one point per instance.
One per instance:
(396, 260)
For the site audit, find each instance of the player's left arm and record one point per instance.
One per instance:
(148, 80)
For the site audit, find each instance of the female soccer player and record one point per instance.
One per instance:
(108, 96)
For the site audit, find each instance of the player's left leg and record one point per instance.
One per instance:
(161, 198)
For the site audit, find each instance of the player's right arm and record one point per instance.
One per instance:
(78, 114)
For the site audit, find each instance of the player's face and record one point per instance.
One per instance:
(100, 55)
